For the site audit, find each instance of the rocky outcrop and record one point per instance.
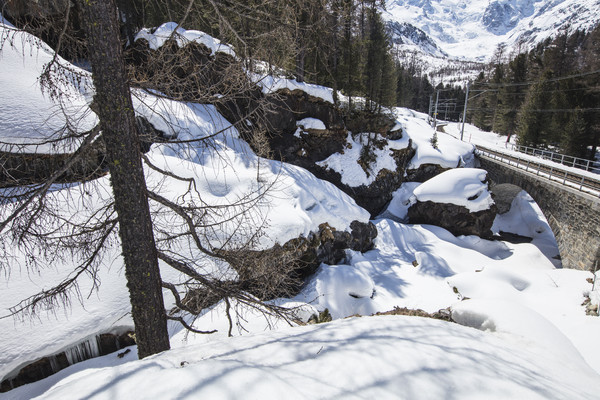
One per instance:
(188, 73)
(300, 257)
(282, 270)
(424, 172)
(456, 219)
(18, 169)
(268, 122)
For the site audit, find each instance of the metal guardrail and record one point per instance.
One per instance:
(571, 179)
(570, 161)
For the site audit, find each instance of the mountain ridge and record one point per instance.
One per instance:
(473, 30)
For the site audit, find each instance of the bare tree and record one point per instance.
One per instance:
(151, 226)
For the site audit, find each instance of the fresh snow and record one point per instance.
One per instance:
(526, 334)
(380, 357)
(450, 153)
(311, 123)
(29, 116)
(296, 204)
(461, 186)
(156, 38)
(271, 84)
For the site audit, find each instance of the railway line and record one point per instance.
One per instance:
(565, 176)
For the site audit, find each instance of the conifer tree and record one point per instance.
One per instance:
(533, 128)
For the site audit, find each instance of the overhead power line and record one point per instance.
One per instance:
(561, 78)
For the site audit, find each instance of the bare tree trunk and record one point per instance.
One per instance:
(115, 110)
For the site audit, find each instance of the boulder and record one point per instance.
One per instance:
(454, 218)
(457, 200)
(424, 172)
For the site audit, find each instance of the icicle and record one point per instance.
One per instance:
(54, 364)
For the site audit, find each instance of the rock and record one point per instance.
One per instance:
(269, 122)
(20, 169)
(456, 219)
(365, 121)
(282, 270)
(503, 195)
(424, 172)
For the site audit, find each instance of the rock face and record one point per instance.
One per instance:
(268, 122)
(17, 169)
(503, 195)
(301, 257)
(424, 172)
(456, 219)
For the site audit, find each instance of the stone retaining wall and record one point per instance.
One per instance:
(573, 216)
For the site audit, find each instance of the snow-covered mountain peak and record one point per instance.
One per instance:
(472, 30)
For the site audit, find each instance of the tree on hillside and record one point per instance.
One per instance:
(380, 79)
(149, 224)
(533, 127)
(511, 94)
(117, 121)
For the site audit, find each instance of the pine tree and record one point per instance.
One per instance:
(533, 127)
(511, 95)
(574, 138)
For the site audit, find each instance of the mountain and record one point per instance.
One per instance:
(472, 30)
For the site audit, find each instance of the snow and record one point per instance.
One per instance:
(157, 38)
(473, 29)
(381, 357)
(461, 186)
(347, 162)
(311, 123)
(525, 333)
(28, 114)
(271, 84)
(450, 152)
(225, 169)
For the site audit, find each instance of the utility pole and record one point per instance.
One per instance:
(429, 112)
(462, 131)
(437, 98)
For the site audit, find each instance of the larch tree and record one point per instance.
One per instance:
(117, 121)
(182, 231)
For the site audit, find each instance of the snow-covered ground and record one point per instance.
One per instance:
(522, 330)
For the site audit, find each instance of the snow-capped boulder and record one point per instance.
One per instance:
(457, 200)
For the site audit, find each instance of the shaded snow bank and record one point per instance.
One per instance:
(376, 357)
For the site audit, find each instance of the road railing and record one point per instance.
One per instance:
(580, 181)
(570, 161)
